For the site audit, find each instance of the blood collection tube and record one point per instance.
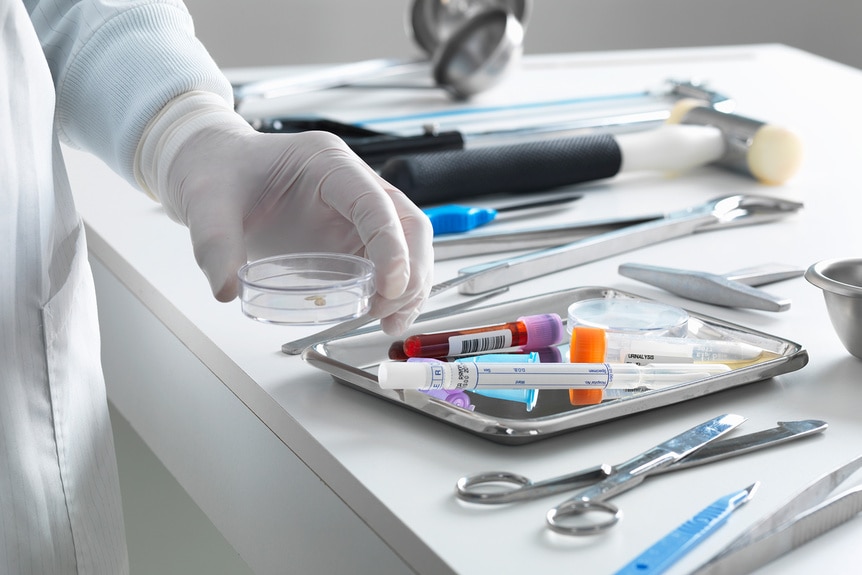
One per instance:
(396, 351)
(550, 354)
(526, 333)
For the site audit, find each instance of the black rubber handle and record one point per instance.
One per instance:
(379, 149)
(439, 177)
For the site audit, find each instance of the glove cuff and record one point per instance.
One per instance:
(168, 133)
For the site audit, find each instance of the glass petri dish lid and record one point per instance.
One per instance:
(629, 316)
(306, 288)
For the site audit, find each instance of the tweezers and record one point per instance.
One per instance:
(734, 289)
(807, 515)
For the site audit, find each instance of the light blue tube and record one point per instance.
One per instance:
(527, 396)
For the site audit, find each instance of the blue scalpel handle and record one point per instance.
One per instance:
(669, 549)
(452, 218)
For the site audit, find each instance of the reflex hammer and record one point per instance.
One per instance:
(693, 136)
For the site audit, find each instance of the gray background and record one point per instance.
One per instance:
(272, 32)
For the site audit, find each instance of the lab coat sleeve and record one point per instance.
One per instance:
(115, 64)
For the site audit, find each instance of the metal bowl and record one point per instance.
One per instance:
(841, 282)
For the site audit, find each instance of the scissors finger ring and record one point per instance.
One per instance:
(492, 487)
(573, 517)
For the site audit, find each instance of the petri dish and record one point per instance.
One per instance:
(306, 288)
(629, 316)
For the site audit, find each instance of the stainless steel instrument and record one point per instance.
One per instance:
(500, 487)
(733, 289)
(575, 515)
(537, 237)
(805, 516)
(723, 212)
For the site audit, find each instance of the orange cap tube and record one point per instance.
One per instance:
(588, 345)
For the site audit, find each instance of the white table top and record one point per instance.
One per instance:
(396, 469)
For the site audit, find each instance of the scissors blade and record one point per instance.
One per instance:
(632, 473)
(733, 446)
(635, 470)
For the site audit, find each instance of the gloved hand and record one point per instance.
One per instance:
(246, 195)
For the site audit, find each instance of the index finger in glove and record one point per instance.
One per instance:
(419, 236)
(358, 194)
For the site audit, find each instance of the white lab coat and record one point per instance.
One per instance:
(60, 508)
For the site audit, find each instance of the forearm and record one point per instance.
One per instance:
(115, 65)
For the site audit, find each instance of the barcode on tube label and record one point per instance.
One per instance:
(480, 342)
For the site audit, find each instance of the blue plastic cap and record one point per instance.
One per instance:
(527, 396)
(532, 357)
(452, 219)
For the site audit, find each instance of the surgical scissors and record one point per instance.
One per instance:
(499, 487)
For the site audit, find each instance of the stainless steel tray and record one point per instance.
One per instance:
(353, 360)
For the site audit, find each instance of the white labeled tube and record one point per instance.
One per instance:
(441, 375)
(644, 350)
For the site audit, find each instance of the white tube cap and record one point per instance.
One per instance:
(406, 375)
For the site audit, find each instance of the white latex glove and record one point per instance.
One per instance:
(246, 195)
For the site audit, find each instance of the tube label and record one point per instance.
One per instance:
(645, 358)
(464, 377)
(480, 342)
(471, 375)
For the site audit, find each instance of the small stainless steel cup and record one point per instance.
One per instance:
(841, 282)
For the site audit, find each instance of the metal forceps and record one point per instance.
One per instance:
(692, 448)
(808, 514)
